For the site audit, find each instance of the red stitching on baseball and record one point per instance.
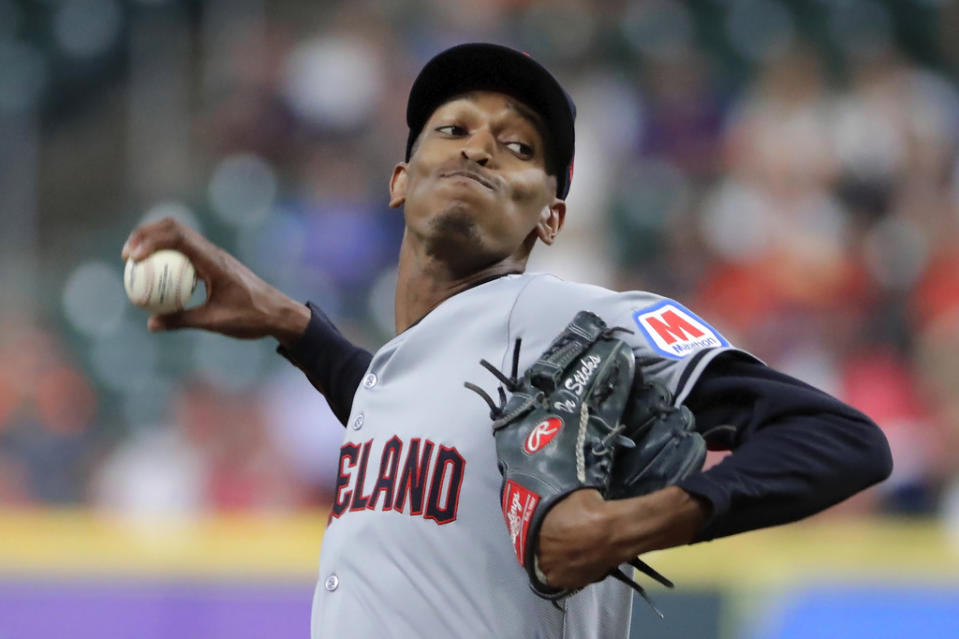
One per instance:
(176, 289)
(148, 273)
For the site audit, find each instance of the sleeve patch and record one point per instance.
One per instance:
(674, 331)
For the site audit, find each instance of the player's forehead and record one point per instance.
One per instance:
(500, 100)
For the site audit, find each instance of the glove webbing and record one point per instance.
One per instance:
(636, 563)
(511, 383)
(648, 570)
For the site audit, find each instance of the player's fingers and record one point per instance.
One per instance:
(170, 234)
(188, 318)
(147, 238)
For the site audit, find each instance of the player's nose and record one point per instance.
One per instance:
(476, 155)
(478, 147)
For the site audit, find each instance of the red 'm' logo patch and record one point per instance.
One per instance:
(543, 434)
(673, 331)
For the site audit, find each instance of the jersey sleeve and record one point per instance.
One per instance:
(332, 363)
(672, 344)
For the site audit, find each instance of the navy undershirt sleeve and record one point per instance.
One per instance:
(796, 450)
(332, 363)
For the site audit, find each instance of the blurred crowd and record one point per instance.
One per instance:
(786, 169)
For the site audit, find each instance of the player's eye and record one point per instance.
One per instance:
(521, 149)
(452, 129)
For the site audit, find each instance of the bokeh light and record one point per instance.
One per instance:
(662, 29)
(10, 18)
(93, 298)
(333, 82)
(172, 209)
(759, 29)
(861, 27)
(125, 360)
(228, 364)
(382, 301)
(87, 28)
(23, 78)
(242, 189)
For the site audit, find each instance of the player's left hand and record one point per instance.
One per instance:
(576, 544)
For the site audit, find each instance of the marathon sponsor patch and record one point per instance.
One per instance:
(674, 331)
(519, 504)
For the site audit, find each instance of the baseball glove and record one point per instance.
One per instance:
(582, 417)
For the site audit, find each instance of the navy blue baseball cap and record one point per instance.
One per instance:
(491, 67)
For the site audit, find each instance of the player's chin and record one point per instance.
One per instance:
(457, 240)
(454, 229)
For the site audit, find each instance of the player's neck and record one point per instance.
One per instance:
(423, 283)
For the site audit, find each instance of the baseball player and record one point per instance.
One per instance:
(416, 545)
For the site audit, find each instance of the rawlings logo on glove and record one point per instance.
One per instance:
(543, 434)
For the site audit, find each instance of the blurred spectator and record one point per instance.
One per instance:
(779, 237)
(154, 473)
(790, 171)
(683, 113)
(47, 410)
(215, 455)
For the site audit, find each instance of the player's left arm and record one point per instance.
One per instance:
(796, 451)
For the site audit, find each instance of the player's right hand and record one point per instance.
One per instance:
(238, 303)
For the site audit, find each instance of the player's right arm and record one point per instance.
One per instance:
(240, 304)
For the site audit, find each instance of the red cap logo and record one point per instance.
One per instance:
(543, 434)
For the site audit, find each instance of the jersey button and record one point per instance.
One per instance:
(370, 380)
(358, 422)
(332, 582)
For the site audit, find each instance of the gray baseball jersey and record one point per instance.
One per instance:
(417, 545)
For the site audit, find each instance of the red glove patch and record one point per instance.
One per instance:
(519, 504)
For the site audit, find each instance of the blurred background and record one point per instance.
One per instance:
(787, 169)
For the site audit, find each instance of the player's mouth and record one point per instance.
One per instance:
(471, 176)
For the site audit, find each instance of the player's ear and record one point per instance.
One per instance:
(398, 182)
(551, 220)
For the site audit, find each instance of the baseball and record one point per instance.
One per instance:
(162, 282)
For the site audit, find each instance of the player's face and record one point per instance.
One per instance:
(476, 191)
